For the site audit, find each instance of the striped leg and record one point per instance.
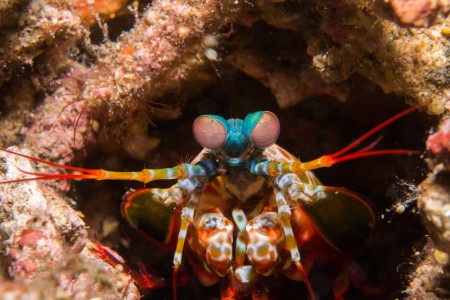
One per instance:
(187, 217)
(284, 213)
(243, 274)
(240, 220)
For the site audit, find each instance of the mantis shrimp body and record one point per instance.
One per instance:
(244, 208)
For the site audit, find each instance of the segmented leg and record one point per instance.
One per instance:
(284, 213)
(187, 217)
(141, 277)
(240, 220)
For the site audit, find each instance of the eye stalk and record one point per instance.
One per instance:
(210, 131)
(261, 128)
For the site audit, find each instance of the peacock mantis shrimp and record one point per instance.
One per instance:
(244, 208)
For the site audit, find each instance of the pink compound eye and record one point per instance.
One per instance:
(210, 131)
(266, 131)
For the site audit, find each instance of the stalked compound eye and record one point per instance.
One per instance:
(210, 131)
(262, 128)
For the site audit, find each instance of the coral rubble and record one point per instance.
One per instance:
(45, 241)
